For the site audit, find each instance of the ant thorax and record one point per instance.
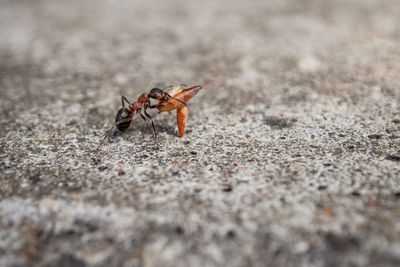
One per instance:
(137, 106)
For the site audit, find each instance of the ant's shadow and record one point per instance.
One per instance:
(165, 128)
(142, 129)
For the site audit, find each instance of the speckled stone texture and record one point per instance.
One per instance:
(290, 157)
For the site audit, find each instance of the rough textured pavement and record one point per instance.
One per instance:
(290, 157)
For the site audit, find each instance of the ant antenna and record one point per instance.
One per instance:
(176, 99)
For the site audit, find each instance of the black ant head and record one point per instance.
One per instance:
(157, 94)
(123, 119)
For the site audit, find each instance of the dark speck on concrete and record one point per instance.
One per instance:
(231, 234)
(393, 157)
(102, 168)
(278, 122)
(341, 243)
(35, 178)
(80, 139)
(86, 225)
(322, 187)
(179, 230)
(227, 187)
(374, 136)
(68, 260)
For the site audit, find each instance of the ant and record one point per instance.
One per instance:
(178, 97)
(175, 97)
(125, 115)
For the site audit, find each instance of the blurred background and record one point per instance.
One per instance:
(291, 150)
(108, 48)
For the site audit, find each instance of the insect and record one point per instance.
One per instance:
(175, 97)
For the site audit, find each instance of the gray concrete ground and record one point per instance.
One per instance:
(291, 154)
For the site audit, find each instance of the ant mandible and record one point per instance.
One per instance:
(174, 98)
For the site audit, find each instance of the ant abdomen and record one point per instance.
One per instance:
(123, 119)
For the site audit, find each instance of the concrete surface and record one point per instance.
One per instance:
(291, 154)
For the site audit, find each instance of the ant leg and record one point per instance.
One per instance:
(152, 123)
(105, 137)
(168, 95)
(146, 106)
(148, 125)
(123, 98)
